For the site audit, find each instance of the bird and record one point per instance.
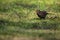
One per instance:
(41, 14)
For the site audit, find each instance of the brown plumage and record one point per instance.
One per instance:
(41, 14)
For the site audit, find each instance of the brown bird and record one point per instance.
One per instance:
(41, 14)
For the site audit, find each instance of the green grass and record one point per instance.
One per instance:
(20, 15)
(45, 34)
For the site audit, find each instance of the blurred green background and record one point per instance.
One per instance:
(19, 18)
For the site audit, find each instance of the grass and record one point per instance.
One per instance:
(35, 34)
(19, 17)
